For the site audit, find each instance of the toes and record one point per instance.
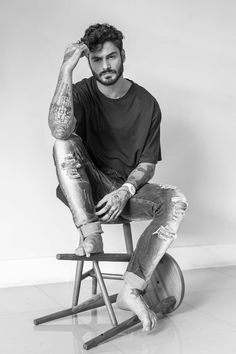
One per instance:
(146, 322)
(150, 323)
(154, 322)
(93, 244)
(88, 249)
(147, 327)
(79, 251)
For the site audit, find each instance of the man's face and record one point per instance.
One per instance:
(106, 64)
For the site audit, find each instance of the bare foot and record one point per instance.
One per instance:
(91, 244)
(130, 299)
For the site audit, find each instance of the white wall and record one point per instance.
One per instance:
(183, 53)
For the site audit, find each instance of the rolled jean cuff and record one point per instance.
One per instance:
(91, 228)
(135, 281)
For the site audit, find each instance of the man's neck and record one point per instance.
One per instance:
(117, 90)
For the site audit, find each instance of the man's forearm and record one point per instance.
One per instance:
(61, 116)
(141, 174)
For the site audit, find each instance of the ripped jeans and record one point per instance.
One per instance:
(82, 185)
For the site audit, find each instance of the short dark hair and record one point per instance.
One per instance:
(96, 35)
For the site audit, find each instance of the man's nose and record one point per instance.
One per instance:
(106, 64)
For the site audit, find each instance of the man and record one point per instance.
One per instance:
(107, 131)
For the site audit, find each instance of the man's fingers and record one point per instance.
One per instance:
(101, 211)
(106, 218)
(85, 50)
(101, 202)
(116, 215)
(110, 215)
(104, 210)
(82, 47)
(76, 48)
(104, 202)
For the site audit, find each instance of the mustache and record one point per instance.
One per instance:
(107, 72)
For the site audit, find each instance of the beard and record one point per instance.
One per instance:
(109, 81)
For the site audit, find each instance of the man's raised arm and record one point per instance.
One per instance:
(61, 118)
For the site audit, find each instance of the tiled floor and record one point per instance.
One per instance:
(205, 323)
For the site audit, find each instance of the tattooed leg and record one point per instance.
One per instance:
(76, 187)
(130, 299)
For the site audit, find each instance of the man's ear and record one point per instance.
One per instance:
(123, 55)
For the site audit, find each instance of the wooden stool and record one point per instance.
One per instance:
(163, 294)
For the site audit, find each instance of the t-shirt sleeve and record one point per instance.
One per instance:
(152, 148)
(78, 110)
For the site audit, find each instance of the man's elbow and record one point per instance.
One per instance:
(61, 131)
(152, 170)
(59, 134)
(148, 166)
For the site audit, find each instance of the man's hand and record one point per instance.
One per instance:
(112, 204)
(73, 53)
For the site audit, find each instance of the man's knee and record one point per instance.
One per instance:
(180, 201)
(177, 196)
(62, 146)
(175, 213)
(169, 200)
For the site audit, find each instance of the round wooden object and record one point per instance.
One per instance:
(167, 280)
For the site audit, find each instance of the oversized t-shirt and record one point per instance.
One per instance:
(117, 133)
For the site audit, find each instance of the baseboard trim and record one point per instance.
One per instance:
(209, 256)
(49, 270)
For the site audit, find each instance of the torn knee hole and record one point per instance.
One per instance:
(164, 233)
(180, 202)
(166, 186)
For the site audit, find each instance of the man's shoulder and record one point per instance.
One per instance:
(143, 92)
(84, 90)
(84, 84)
(146, 98)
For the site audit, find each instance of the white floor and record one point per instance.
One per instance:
(205, 323)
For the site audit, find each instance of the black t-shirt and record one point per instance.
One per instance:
(117, 133)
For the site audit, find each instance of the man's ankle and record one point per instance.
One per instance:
(91, 229)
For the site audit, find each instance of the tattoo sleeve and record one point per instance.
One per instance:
(61, 116)
(141, 174)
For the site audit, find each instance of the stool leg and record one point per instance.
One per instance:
(164, 307)
(94, 286)
(94, 292)
(105, 294)
(77, 284)
(128, 238)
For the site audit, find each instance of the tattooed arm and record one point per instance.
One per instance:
(61, 118)
(112, 204)
(141, 174)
